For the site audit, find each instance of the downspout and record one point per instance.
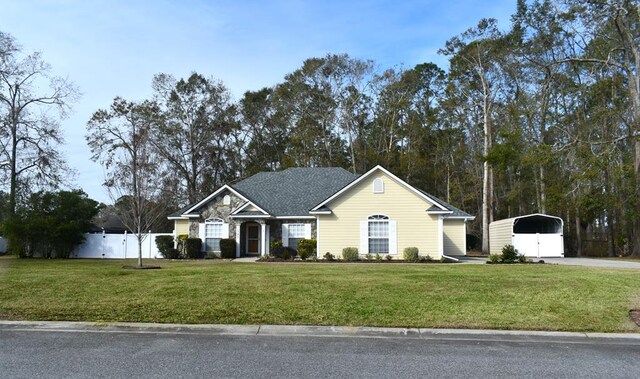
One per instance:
(450, 258)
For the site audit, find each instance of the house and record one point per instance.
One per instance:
(377, 212)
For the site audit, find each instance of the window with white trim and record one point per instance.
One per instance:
(378, 234)
(213, 234)
(226, 200)
(296, 233)
(378, 185)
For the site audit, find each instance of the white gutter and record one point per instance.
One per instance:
(451, 258)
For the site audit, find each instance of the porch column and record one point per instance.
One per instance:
(238, 225)
(263, 238)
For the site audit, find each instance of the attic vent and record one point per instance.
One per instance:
(226, 200)
(378, 185)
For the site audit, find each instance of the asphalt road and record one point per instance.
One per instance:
(33, 353)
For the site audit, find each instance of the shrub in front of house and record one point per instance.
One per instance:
(509, 254)
(307, 248)
(350, 254)
(274, 245)
(284, 252)
(329, 257)
(410, 254)
(193, 248)
(228, 248)
(494, 258)
(165, 247)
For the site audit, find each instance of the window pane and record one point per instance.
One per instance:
(378, 235)
(378, 245)
(253, 231)
(378, 229)
(296, 230)
(213, 230)
(293, 243)
(212, 244)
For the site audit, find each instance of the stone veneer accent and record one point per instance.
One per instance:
(216, 208)
(276, 227)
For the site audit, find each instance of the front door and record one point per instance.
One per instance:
(253, 239)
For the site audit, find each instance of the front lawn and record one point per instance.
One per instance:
(534, 297)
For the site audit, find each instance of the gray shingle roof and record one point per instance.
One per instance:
(294, 191)
(248, 213)
(456, 212)
(180, 212)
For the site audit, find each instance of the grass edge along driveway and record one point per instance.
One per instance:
(523, 297)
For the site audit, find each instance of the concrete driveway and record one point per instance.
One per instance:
(588, 262)
(593, 262)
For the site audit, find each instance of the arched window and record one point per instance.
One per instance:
(213, 228)
(226, 200)
(378, 185)
(378, 234)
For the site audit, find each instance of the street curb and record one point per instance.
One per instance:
(299, 330)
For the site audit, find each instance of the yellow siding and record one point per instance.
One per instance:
(455, 237)
(500, 234)
(182, 227)
(414, 226)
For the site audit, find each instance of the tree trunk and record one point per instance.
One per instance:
(578, 234)
(487, 178)
(14, 173)
(543, 189)
(636, 231)
(139, 249)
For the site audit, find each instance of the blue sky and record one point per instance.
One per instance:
(113, 48)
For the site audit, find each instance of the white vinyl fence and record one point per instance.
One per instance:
(117, 246)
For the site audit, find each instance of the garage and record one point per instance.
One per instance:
(535, 235)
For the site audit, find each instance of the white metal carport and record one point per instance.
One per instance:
(535, 235)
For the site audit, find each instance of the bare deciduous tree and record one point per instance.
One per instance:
(119, 139)
(30, 134)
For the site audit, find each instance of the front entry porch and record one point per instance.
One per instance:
(252, 238)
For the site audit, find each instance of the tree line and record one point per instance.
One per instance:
(540, 117)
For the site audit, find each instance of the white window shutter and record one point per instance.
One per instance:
(201, 234)
(225, 230)
(285, 234)
(307, 231)
(364, 237)
(393, 237)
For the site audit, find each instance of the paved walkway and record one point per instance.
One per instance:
(246, 259)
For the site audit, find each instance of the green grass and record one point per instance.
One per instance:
(533, 297)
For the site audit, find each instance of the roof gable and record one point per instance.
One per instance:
(420, 194)
(216, 193)
(288, 193)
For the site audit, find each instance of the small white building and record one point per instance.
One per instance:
(535, 235)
